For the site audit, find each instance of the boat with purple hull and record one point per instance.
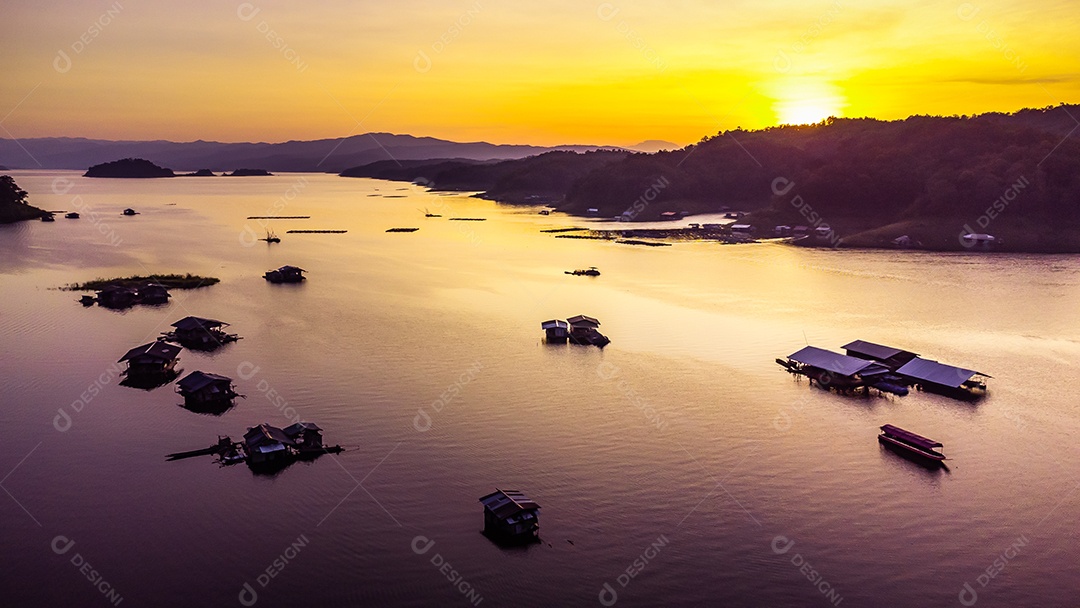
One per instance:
(911, 444)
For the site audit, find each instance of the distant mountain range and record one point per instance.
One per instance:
(323, 155)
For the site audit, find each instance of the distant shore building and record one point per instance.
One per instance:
(511, 515)
(978, 240)
(782, 230)
(153, 359)
(903, 242)
(743, 228)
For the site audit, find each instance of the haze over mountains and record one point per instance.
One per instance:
(322, 155)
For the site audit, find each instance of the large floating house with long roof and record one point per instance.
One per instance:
(884, 368)
(834, 370)
(945, 379)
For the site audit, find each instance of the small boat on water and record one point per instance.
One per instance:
(74, 215)
(591, 271)
(48, 217)
(545, 212)
(271, 237)
(910, 443)
(129, 211)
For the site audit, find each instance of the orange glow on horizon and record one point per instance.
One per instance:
(615, 74)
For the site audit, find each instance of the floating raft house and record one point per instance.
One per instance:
(938, 377)
(511, 515)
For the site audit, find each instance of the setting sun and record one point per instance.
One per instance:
(800, 103)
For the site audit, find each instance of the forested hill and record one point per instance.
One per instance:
(1016, 176)
(536, 179)
(861, 167)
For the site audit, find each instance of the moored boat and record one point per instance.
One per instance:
(591, 271)
(911, 443)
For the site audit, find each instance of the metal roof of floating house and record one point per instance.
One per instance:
(877, 351)
(191, 323)
(196, 381)
(832, 362)
(554, 323)
(299, 427)
(583, 321)
(931, 371)
(266, 435)
(154, 350)
(507, 503)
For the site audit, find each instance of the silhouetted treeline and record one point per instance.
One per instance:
(543, 178)
(13, 205)
(868, 169)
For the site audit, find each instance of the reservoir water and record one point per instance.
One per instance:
(677, 466)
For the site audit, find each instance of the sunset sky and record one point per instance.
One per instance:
(518, 71)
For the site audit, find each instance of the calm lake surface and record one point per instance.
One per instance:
(667, 465)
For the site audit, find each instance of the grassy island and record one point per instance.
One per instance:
(172, 281)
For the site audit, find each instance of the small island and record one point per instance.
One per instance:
(199, 173)
(13, 205)
(248, 173)
(129, 168)
(171, 281)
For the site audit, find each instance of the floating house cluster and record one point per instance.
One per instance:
(119, 296)
(892, 370)
(266, 447)
(265, 444)
(867, 365)
(579, 329)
